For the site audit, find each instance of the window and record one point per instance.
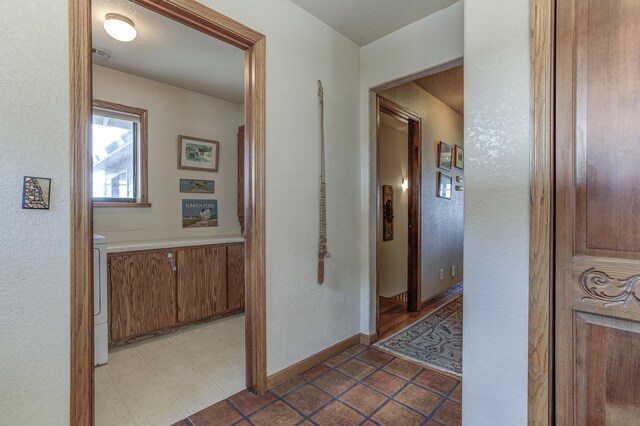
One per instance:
(119, 154)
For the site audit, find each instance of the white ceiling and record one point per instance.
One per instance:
(448, 86)
(170, 52)
(364, 21)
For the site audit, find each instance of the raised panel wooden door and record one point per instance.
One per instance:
(235, 271)
(202, 281)
(597, 321)
(142, 294)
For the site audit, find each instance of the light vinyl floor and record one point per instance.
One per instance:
(166, 378)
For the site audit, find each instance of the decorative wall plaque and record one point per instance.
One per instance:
(387, 213)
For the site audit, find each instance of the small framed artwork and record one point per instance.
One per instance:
(387, 213)
(199, 213)
(196, 186)
(458, 155)
(198, 154)
(445, 153)
(444, 185)
(36, 192)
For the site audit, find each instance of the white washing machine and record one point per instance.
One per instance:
(100, 317)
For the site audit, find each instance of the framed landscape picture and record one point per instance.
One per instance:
(198, 154)
(458, 155)
(36, 192)
(197, 186)
(445, 153)
(444, 185)
(199, 213)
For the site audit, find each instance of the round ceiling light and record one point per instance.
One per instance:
(120, 27)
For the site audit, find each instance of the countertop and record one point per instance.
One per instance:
(124, 246)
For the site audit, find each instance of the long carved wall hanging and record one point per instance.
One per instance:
(322, 249)
(599, 286)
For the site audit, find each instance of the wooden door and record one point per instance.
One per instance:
(142, 294)
(597, 320)
(202, 282)
(235, 277)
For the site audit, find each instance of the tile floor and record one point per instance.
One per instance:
(361, 386)
(164, 379)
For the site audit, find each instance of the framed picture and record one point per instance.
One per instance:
(198, 154)
(458, 155)
(199, 213)
(444, 155)
(36, 192)
(387, 213)
(196, 186)
(444, 185)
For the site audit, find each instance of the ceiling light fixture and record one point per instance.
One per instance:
(120, 27)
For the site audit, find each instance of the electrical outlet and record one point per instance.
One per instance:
(442, 274)
(453, 270)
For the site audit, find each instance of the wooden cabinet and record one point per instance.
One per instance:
(142, 293)
(202, 283)
(235, 277)
(146, 294)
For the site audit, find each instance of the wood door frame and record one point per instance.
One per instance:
(210, 22)
(414, 272)
(541, 215)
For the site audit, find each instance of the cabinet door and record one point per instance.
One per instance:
(142, 294)
(235, 263)
(202, 278)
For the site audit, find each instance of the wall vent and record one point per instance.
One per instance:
(103, 53)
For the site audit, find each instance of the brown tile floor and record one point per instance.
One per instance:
(361, 386)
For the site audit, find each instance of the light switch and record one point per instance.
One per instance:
(453, 270)
(442, 274)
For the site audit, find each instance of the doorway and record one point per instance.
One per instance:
(211, 23)
(399, 170)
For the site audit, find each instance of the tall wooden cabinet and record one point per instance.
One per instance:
(142, 293)
(156, 290)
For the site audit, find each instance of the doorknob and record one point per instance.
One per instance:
(172, 261)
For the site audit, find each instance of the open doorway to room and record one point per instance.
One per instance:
(168, 163)
(167, 157)
(420, 150)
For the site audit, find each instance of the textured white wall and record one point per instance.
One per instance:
(431, 44)
(34, 245)
(302, 317)
(394, 154)
(172, 111)
(442, 224)
(496, 76)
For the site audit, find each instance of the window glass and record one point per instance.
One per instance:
(114, 143)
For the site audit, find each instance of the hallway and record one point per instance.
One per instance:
(361, 386)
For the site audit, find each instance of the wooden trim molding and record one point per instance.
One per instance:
(81, 229)
(310, 362)
(540, 384)
(208, 21)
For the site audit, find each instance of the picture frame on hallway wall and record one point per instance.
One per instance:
(445, 183)
(445, 154)
(198, 154)
(458, 156)
(387, 212)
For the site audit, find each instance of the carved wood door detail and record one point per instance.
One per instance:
(597, 187)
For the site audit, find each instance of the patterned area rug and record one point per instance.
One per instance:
(434, 341)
